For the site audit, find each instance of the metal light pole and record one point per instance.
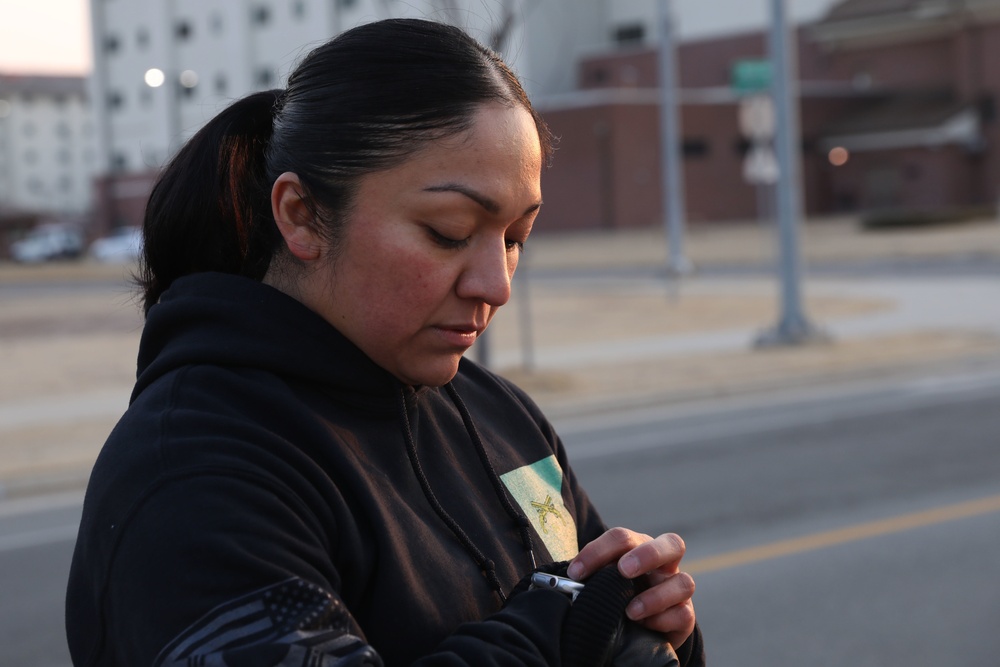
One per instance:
(671, 162)
(793, 327)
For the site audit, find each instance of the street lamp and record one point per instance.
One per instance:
(188, 78)
(154, 77)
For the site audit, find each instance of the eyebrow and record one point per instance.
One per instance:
(490, 205)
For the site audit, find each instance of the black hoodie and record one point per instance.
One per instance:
(273, 497)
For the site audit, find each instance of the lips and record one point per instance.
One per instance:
(460, 335)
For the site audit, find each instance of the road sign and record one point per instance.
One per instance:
(757, 117)
(760, 166)
(750, 76)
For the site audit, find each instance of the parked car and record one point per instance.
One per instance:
(48, 242)
(123, 245)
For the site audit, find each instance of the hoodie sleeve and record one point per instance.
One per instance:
(219, 570)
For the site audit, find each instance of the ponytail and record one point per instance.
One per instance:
(210, 209)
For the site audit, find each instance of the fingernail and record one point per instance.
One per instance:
(575, 570)
(629, 565)
(635, 609)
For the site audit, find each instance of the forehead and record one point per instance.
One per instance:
(500, 149)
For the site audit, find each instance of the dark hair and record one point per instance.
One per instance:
(362, 102)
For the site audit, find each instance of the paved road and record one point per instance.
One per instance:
(36, 545)
(855, 523)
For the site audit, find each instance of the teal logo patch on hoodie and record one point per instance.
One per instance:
(537, 489)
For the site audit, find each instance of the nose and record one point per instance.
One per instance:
(486, 276)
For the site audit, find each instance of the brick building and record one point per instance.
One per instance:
(902, 93)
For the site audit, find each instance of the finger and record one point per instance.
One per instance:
(604, 550)
(663, 554)
(677, 623)
(676, 590)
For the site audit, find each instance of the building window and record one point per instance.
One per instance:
(111, 44)
(183, 30)
(299, 9)
(696, 147)
(28, 129)
(261, 15)
(215, 24)
(30, 157)
(221, 84)
(119, 162)
(987, 107)
(265, 77)
(597, 76)
(142, 38)
(187, 92)
(115, 100)
(630, 34)
(346, 3)
(63, 130)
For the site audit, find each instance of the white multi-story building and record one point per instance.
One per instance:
(162, 68)
(48, 152)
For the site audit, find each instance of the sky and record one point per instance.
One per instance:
(53, 36)
(45, 37)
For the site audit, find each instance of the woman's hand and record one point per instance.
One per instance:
(666, 605)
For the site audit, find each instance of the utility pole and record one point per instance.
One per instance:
(671, 160)
(793, 328)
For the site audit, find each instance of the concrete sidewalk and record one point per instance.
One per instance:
(592, 328)
(597, 344)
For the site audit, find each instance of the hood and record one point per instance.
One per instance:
(226, 320)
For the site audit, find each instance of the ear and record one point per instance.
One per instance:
(295, 221)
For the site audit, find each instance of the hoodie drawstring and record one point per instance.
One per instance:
(486, 566)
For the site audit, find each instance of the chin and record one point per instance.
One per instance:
(432, 375)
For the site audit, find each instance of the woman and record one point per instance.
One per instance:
(309, 472)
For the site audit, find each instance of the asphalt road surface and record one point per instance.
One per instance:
(36, 545)
(856, 525)
(853, 525)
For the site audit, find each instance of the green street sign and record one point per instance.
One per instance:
(750, 76)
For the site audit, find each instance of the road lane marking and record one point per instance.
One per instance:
(845, 535)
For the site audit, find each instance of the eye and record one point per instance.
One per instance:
(446, 241)
(513, 245)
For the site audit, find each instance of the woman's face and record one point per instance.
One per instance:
(430, 246)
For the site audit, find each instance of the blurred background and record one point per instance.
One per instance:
(761, 304)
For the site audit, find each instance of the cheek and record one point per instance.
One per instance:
(400, 294)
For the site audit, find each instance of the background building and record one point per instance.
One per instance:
(47, 152)
(898, 116)
(162, 68)
(47, 145)
(897, 98)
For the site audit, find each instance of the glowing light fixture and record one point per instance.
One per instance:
(154, 77)
(189, 78)
(838, 156)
